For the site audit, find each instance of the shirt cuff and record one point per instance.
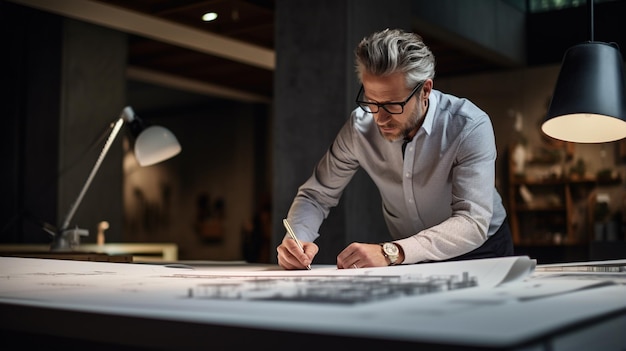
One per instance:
(412, 252)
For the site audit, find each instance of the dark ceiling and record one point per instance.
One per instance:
(251, 23)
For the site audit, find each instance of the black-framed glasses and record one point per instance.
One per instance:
(394, 108)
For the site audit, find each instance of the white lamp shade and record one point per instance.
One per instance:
(155, 144)
(585, 128)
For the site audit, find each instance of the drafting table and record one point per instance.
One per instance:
(494, 304)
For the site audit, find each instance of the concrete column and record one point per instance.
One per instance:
(315, 87)
(93, 93)
(66, 82)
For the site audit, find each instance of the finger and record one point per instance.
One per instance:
(290, 256)
(348, 257)
(282, 257)
(289, 262)
(300, 254)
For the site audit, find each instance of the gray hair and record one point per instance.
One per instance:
(394, 50)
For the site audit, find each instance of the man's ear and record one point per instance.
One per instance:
(428, 86)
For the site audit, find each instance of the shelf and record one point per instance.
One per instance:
(551, 181)
(539, 208)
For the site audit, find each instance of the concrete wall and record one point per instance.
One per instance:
(206, 197)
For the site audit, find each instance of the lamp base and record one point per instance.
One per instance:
(68, 239)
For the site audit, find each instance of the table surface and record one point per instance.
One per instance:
(496, 304)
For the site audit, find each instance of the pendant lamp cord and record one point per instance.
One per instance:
(590, 3)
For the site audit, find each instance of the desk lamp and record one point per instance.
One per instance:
(153, 144)
(589, 101)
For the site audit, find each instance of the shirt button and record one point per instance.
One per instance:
(408, 175)
(411, 201)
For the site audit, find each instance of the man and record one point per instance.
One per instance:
(431, 155)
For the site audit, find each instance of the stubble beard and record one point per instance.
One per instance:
(412, 123)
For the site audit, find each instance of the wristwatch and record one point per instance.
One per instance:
(391, 252)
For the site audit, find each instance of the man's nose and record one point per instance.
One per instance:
(382, 116)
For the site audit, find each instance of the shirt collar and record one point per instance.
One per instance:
(433, 101)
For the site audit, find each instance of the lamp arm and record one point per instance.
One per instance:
(96, 167)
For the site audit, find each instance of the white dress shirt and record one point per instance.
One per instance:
(439, 201)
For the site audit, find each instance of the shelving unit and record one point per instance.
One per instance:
(542, 209)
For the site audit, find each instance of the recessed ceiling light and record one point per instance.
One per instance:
(209, 16)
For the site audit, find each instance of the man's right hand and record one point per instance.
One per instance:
(291, 257)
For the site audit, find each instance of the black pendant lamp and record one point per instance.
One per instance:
(589, 101)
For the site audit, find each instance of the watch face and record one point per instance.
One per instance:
(390, 249)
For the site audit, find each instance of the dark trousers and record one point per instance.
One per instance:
(500, 244)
